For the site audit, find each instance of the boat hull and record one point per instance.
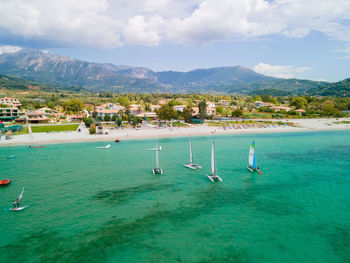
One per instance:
(157, 171)
(214, 178)
(192, 166)
(5, 182)
(252, 169)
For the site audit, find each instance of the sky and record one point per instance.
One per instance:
(308, 39)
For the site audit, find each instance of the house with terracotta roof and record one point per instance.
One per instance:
(10, 101)
(136, 110)
(300, 111)
(259, 104)
(211, 111)
(109, 109)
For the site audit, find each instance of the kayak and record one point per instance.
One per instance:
(18, 208)
(35, 146)
(5, 182)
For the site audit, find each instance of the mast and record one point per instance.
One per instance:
(213, 159)
(157, 162)
(191, 155)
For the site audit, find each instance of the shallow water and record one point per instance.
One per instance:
(94, 205)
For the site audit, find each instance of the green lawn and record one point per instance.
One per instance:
(179, 124)
(50, 128)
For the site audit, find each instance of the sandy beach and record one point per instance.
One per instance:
(147, 132)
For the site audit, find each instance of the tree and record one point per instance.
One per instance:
(187, 114)
(202, 109)
(237, 113)
(119, 122)
(99, 118)
(73, 105)
(107, 117)
(87, 121)
(51, 105)
(166, 112)
(114, 117)
(219, 110)
(124, 101)
(299, 103)
(92, 130)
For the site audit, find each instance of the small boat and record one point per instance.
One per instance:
(19, 200)
(117, 140)
(153, 149)
(157, 170)
(213, 176)
(5, 182)
(252, 162)
(106, 147)
(30, 146)
(192, 165)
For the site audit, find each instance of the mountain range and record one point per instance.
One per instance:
(40, 66)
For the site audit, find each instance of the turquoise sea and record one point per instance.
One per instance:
(93, 205)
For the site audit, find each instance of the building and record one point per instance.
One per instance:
(154, 107)
(10, 102)
(210, 104)
(9, 113)
(301, 111)
(259, 104)
(110, 109)
(136, 110)
(179, 108)
(211, 111)
(37, 116)
(279, 108)
(195, 111)
(161, 102)
(223, 103)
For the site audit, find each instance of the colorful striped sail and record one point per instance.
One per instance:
(252, 161)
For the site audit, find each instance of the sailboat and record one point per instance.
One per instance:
(252, 162)
(192, 165)
(106, 147)
(213, 176)
(157, 170)
(153, 149)
(19, 200)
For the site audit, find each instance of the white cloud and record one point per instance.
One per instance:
(279, 71)
(9, 49)
(112, 23)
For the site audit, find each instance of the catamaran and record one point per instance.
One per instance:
(213, 176)
(252, 162)
(19, 200)
(157, 170)
(192, 165)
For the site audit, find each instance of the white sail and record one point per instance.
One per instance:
(191, 155)
(157, 162)
(20, 197)
(213, 159)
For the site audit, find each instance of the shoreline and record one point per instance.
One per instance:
(148, 133)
